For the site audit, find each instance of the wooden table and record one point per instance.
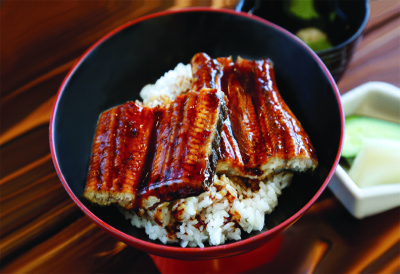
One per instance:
(41, 229)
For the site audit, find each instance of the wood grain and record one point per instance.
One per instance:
(81, 247)
(338, 243)
(377, 57)
(43, 231)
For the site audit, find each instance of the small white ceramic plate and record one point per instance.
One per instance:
(379, 100)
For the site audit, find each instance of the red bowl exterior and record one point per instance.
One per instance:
(235, 264)
(210, 252)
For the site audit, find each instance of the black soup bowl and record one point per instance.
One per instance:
(115, 69)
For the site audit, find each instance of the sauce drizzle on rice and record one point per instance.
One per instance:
(157, 160)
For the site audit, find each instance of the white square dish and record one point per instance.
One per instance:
(380, 100)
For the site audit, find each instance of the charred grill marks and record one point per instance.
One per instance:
(119, 154)
(143, 156)
(189, 170)
(206, 72)
(263, 136)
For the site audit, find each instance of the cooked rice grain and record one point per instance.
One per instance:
(217, 215)
(165, 90)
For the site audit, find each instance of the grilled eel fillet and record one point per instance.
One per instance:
(186, 147)
(121, 145)
(143, 156)
(262, 135)
(206, 72)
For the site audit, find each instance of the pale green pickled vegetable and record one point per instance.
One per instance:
(359, 129)
(303, 9)
(314, 38)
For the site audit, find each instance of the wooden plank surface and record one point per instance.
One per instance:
(43, 231)
(378, 55)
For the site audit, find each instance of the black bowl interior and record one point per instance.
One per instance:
(116, 70)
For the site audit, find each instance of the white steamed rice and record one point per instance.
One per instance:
(229, 207)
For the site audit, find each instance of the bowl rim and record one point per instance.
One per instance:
(172, 251)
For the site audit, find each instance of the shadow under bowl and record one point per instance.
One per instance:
(116, 68)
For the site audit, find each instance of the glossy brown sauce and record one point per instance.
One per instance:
(242, 146)
(261, 126)
(245, 124)
(121, 145)
(283, 133)
(180, 164)
(149, 155)
(206, 72)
